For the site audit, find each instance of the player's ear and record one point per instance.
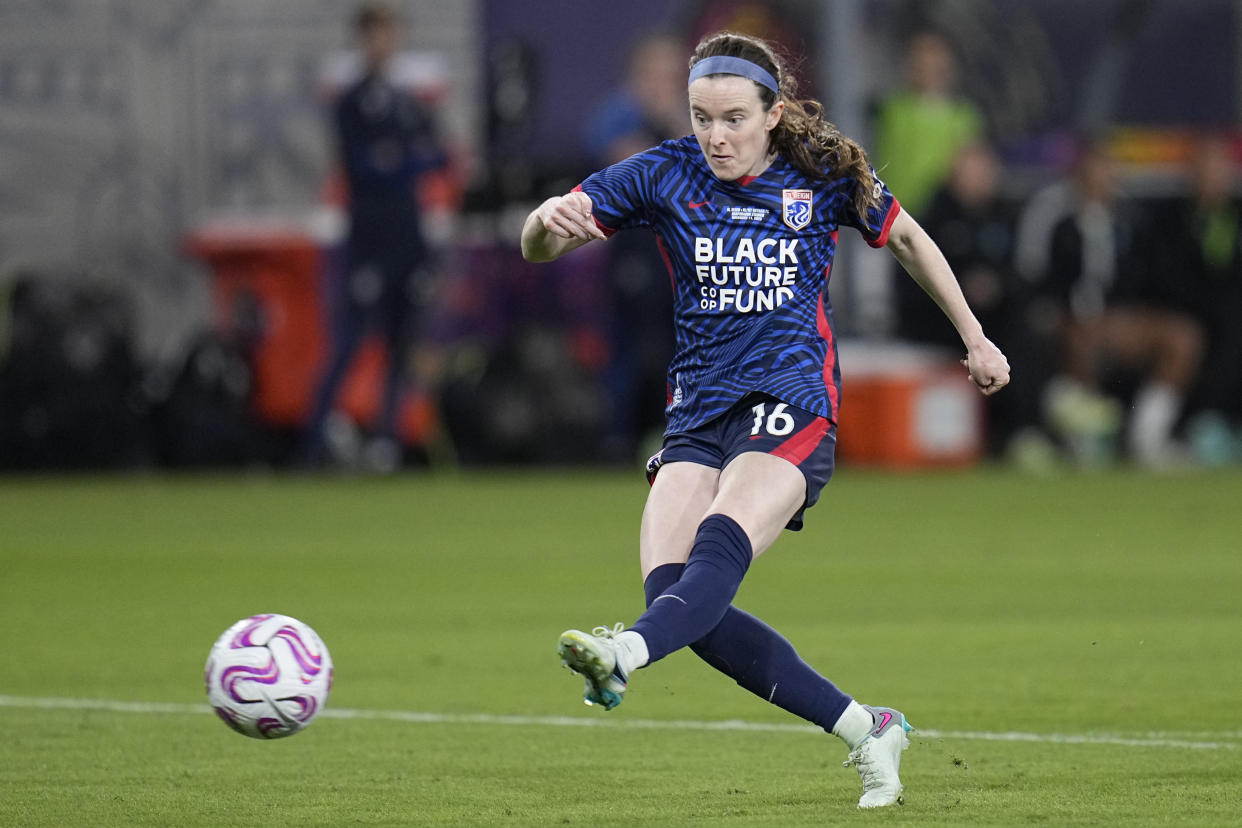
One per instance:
(774, 115)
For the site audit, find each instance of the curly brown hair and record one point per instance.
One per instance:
(803, 135)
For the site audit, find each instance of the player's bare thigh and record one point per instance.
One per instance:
(676, 504)
(759, 491)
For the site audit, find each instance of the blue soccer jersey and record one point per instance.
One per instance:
(749, 262)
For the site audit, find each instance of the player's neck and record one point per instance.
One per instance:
(757, 170)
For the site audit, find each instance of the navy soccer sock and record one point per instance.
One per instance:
(760, 659)
(660, 579)
(689, 608)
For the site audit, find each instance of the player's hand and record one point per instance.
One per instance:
(989, 370)
(569, 217)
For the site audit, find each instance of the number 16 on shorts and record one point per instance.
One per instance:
(778, 423)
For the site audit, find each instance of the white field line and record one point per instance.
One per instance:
(1152, 740)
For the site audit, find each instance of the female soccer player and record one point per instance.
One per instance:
(747, 212)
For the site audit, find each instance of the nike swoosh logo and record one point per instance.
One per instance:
(694, 205)
(885, 718)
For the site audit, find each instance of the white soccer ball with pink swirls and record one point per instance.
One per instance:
(268, 676)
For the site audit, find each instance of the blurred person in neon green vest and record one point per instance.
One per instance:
(920, 128)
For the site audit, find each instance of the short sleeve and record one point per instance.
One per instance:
(879, 219)
(620, 194)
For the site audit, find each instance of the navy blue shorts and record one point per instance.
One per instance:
(759, 423)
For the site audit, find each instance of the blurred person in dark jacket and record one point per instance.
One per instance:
(386, 141)
(647, 107)
(1100, 284)
(973, 224)
(1196, 256)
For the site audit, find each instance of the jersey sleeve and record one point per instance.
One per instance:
(620, 194)
(879, 219)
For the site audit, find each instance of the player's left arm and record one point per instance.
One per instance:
(923, 260)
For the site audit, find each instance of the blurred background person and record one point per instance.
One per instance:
(1196, 256)
(975, 232)
(1112, 325)
(386, 140)
(920, 127)
(649, 106)
(193, 220)
(972, 221)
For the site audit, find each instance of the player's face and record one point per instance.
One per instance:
(732, 126)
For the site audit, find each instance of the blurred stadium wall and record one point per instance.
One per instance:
(124, 122)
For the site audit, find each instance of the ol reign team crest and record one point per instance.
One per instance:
(796, 208)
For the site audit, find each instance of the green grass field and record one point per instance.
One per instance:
(1068, 647)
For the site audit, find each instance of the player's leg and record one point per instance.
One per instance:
(716, 550)
(757, 495)
(715, 524)
(776, 459)
(762, 661)
(755, 655)
(761, 493)
(796, 454)
(680, 493)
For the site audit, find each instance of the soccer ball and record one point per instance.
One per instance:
(268, 676)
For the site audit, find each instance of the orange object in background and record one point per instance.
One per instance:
(906, 407)
(271, 270)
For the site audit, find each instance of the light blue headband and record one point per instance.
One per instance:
(723, 65)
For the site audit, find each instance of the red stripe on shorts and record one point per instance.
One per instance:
(799, 447)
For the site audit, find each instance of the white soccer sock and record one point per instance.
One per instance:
(854, 725)
(1156, 406)
(631, 651)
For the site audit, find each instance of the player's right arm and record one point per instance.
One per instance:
(559, 225)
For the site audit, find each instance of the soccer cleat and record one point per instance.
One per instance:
(878, 758)
(594, 657)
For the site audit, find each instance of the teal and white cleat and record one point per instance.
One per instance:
(594, 657)
(878, 758)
